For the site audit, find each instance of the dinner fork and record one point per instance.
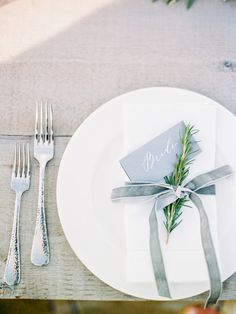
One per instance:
(20, 182)
(43, 152)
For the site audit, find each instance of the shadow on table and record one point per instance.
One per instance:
(4, 2)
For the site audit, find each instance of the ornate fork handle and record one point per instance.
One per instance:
(40, 246)
(12, 269)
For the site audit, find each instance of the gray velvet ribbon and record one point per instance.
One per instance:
(164, 195)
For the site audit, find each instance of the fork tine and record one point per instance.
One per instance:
(51, 124)
(23, 161)
(41, 138)
(46, 122)
(36, 131)
(14, 163)
(19, 162)
(28, 161)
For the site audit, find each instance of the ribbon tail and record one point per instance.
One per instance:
(210, 254)
(156, 256)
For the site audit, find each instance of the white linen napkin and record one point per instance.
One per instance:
(183, 255)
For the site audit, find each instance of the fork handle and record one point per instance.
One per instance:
(40, 246)
(12, 269)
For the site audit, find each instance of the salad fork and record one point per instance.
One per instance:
(20, 182)
(43, 152)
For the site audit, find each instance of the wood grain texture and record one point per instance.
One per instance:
(79, 54)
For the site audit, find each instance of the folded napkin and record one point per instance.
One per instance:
(183, 255)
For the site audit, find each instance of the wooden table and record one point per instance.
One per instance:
(78, 54)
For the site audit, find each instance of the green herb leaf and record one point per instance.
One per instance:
(190, 3)
(180, 173)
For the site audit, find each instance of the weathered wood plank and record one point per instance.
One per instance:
(103, 52)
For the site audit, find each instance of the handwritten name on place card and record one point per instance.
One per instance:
(156, 159)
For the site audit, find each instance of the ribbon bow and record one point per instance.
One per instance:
(164, 195)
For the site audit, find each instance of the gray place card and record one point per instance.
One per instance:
(157, 158)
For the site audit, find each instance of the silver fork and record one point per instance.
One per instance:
(20, 182)
(43, 152)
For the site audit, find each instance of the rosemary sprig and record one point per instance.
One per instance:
(173, 212)
(189, 3)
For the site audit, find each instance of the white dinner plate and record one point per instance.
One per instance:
(94, 226)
